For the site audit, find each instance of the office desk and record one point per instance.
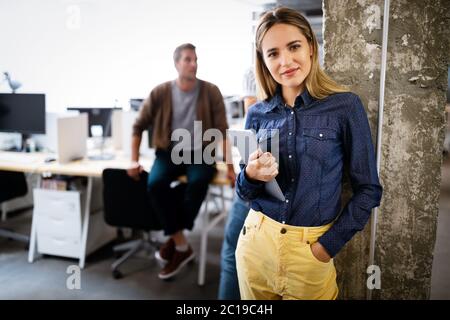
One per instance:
(21, 161)
(35, 163)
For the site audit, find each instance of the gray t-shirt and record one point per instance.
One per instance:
(184, 113)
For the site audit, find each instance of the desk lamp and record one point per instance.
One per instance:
(14, 85)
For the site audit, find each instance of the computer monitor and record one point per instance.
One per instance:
(22, 113)
(234, 107)
(97, 117)
(135, 104)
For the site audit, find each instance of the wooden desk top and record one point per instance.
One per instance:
(22, 162)
(35, 163)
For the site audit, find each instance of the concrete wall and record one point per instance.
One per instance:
(413, 132)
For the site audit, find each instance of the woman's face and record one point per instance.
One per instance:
(287, 54)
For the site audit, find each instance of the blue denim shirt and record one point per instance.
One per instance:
(316, 139)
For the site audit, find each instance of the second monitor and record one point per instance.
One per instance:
(97, 117)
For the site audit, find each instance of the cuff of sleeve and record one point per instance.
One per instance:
(246, 183)
(332, 242)
(248, 187)
(136, 131)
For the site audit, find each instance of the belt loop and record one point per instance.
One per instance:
(305, 235)
(261, 218)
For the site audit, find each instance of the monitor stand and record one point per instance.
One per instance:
(23, 147)
(23, 144)
(102, 155)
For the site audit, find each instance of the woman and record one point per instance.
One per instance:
(285, 249)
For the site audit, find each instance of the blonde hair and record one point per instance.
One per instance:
(318, 84)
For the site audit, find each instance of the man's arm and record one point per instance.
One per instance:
(220, 123)
(135, 168)
(144, 119)
(135, 146)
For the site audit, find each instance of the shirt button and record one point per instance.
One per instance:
(321, 135)
(292, 112)
(290, 156)
(287, 201)
(292, 179)
(283, 230)
(290, 133)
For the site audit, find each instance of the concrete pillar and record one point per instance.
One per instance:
(413, 133)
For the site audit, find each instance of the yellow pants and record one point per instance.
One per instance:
(274, 261)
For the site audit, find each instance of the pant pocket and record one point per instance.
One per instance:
(313, 257)
(250, 227)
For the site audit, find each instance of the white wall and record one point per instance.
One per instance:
(92, 52)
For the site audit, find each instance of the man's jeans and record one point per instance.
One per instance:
(229, 287)
(177, 212)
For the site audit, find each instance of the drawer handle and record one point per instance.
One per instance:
(58, 241)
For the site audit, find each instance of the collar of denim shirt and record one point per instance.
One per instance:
(302, 100)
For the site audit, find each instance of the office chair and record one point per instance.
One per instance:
(12, 185)
(126, 204)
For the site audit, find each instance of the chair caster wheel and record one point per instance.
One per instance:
(117, 274)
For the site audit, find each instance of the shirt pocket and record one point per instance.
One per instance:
(321, 144)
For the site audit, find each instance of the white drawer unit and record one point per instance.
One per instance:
(58, 213)
(59, 245)
(63, 224)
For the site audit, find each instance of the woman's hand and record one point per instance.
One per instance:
(261, 166)
(320, 253)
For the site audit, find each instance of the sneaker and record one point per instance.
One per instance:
(165, 252)
(178, 261)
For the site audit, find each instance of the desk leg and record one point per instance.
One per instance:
(33, 244)
(203, 244)
(32, 250)
(85, 225)
(207, 226)
(4, 209)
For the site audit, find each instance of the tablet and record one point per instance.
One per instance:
(247, 143)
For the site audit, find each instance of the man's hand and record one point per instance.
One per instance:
(231, 175)
(320, 253)
(261, 166)
(135, 170)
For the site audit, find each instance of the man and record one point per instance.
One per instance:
(171, 106)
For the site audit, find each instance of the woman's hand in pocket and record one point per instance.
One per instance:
(320, 253)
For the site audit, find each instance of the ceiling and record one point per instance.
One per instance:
(309, 7)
